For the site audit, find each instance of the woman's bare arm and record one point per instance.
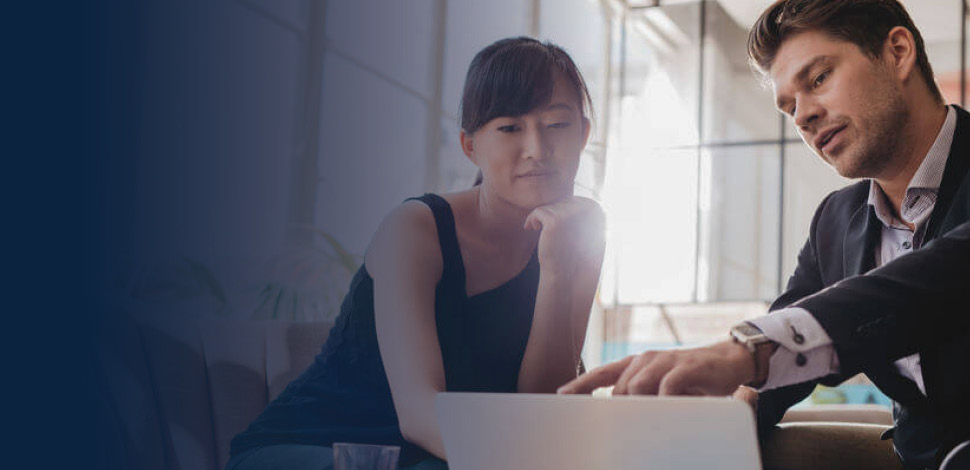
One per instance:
(404, 260)
(570, 255)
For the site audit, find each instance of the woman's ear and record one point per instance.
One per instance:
(587, 128)
(467, 145)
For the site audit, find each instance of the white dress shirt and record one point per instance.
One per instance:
(805, 350)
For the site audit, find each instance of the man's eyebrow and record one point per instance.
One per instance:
(803, 72)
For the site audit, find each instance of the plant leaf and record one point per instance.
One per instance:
(205, 275)
(346, 259)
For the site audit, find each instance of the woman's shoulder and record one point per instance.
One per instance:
(410, 226)
(419, 215)
(409, 233)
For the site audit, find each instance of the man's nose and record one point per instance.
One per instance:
(807, 114)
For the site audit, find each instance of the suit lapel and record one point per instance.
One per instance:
(859, 256)
(957, 164)
(864, 227)
(859, 242)
(888, 378)
(947, 213)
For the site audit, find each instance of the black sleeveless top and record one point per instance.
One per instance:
(344, 395)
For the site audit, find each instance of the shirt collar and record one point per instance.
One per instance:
(925, 182)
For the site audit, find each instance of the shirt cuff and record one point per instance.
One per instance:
(805, 351)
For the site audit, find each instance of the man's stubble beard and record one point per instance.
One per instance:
(879, 144)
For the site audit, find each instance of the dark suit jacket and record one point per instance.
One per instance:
(917, 303)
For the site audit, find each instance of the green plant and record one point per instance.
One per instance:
(178, 281)
(306, 283)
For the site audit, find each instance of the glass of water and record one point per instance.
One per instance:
(348, 456)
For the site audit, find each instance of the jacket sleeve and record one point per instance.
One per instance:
(806, 280)
(891, 312)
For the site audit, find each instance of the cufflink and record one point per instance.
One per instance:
(797, 337)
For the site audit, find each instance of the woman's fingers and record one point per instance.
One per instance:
(540, 217)
(565, 210)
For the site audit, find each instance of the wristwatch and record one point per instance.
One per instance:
(755, 340)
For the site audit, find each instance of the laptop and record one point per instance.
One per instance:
(488, 431)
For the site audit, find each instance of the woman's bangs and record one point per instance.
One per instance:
(522, 82)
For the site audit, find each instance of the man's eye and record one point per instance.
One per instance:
(509, 128)
(819, 79)
(560, 125)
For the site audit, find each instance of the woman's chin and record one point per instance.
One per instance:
(540, 198)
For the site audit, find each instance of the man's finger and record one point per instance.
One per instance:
(647, 380)
(747, 395)
(675, 382)
(603, 376)
(639, 362)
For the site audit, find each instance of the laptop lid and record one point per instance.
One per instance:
(579, 432)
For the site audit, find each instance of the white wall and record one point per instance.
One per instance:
(380, 101)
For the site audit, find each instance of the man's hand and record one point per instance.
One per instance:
(717, 369)
(747, 395)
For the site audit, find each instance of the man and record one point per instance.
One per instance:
(854, 78)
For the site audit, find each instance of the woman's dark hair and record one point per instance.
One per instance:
(513, 76)
(865, 23)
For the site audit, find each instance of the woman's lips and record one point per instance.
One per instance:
(538, 174)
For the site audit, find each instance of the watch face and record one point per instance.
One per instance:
(746, 329)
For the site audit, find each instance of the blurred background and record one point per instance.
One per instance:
(268, 138)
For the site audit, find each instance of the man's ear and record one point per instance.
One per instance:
(468, 145)
(901, 50)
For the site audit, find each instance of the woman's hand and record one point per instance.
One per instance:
(572, 237)
(571, 244)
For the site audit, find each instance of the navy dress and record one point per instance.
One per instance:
(344, 395)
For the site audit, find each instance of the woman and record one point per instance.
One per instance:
(487, 289)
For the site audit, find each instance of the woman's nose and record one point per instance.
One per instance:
(536, 146)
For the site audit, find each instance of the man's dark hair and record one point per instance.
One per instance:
(865, 23)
